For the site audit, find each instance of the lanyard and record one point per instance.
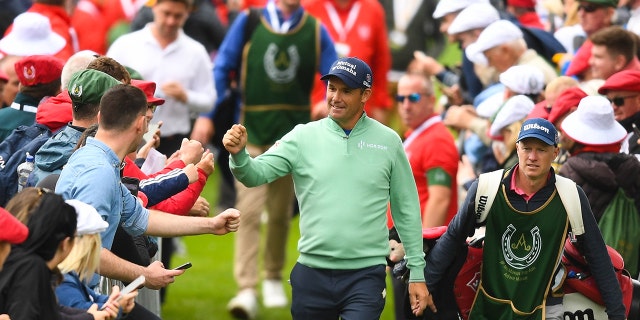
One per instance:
(424, 126)
(275, 22)
(342, 29)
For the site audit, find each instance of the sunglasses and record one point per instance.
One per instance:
(413, 97)
(619, 101)
(589, 8)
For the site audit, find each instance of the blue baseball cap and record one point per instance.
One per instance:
(540, 129)
(353, 71)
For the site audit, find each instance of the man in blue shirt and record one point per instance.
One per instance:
(92, 175)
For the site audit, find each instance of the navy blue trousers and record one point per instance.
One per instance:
(325, 294)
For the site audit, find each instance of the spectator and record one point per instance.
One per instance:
(83, 260)
(181, 68)
(203, 24)
(87, 87)
(623, 90)
(285, 48)
(593, 138)
(593, 15)
(179, 65)
(39, 79)
(123, 121)
(56, 112)
(465, 86)
(433, 157)
(613, 50)
(332, 279)
(551, 92)
(32, 35)
(526, 200)
(501, 45)
(60, 20)
(30, 271)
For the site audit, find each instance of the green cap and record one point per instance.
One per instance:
(88, 86)
(604, 3)
(133, 73)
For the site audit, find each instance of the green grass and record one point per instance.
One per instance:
(203, 291)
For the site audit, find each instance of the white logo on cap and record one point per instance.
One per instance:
(76, 91)
(346, 66)
(29, 73)
(535, 126)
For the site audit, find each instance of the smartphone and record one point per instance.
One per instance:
(135, 284)
(153, 127)
(183, 266)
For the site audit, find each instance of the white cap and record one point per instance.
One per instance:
(32, 35)
(89, 220)
(523, 79)
(593, 123)
(445, 7)
(475, 16)
(489, 106)
(515, 109)
(495, 34)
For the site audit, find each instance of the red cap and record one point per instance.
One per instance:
(11, 229)
(580, 62)
(567, 100)
(33, 70)
(522, 3)
(149, 88)
(627, 80)
(539, 111)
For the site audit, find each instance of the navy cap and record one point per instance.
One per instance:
(540, 129)
(353, 71)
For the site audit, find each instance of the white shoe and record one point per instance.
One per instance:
(244, 305)
(273, 295)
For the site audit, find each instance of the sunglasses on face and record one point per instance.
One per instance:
(619, 101)
(413, 97)
(589, 8)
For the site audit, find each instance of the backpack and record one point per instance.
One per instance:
(13, 152)
(488, 187)
(619, 225)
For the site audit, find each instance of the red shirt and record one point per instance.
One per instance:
(366, 38)
(433, 148)
(179, 204)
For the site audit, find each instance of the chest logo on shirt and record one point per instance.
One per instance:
(281, 66)
(529, 248)
(362, 145)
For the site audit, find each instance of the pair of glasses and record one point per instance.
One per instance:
(619, 101)
(589, 8)
(413, 97)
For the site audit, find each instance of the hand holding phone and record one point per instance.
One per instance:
(135, 284)
(183, 266)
